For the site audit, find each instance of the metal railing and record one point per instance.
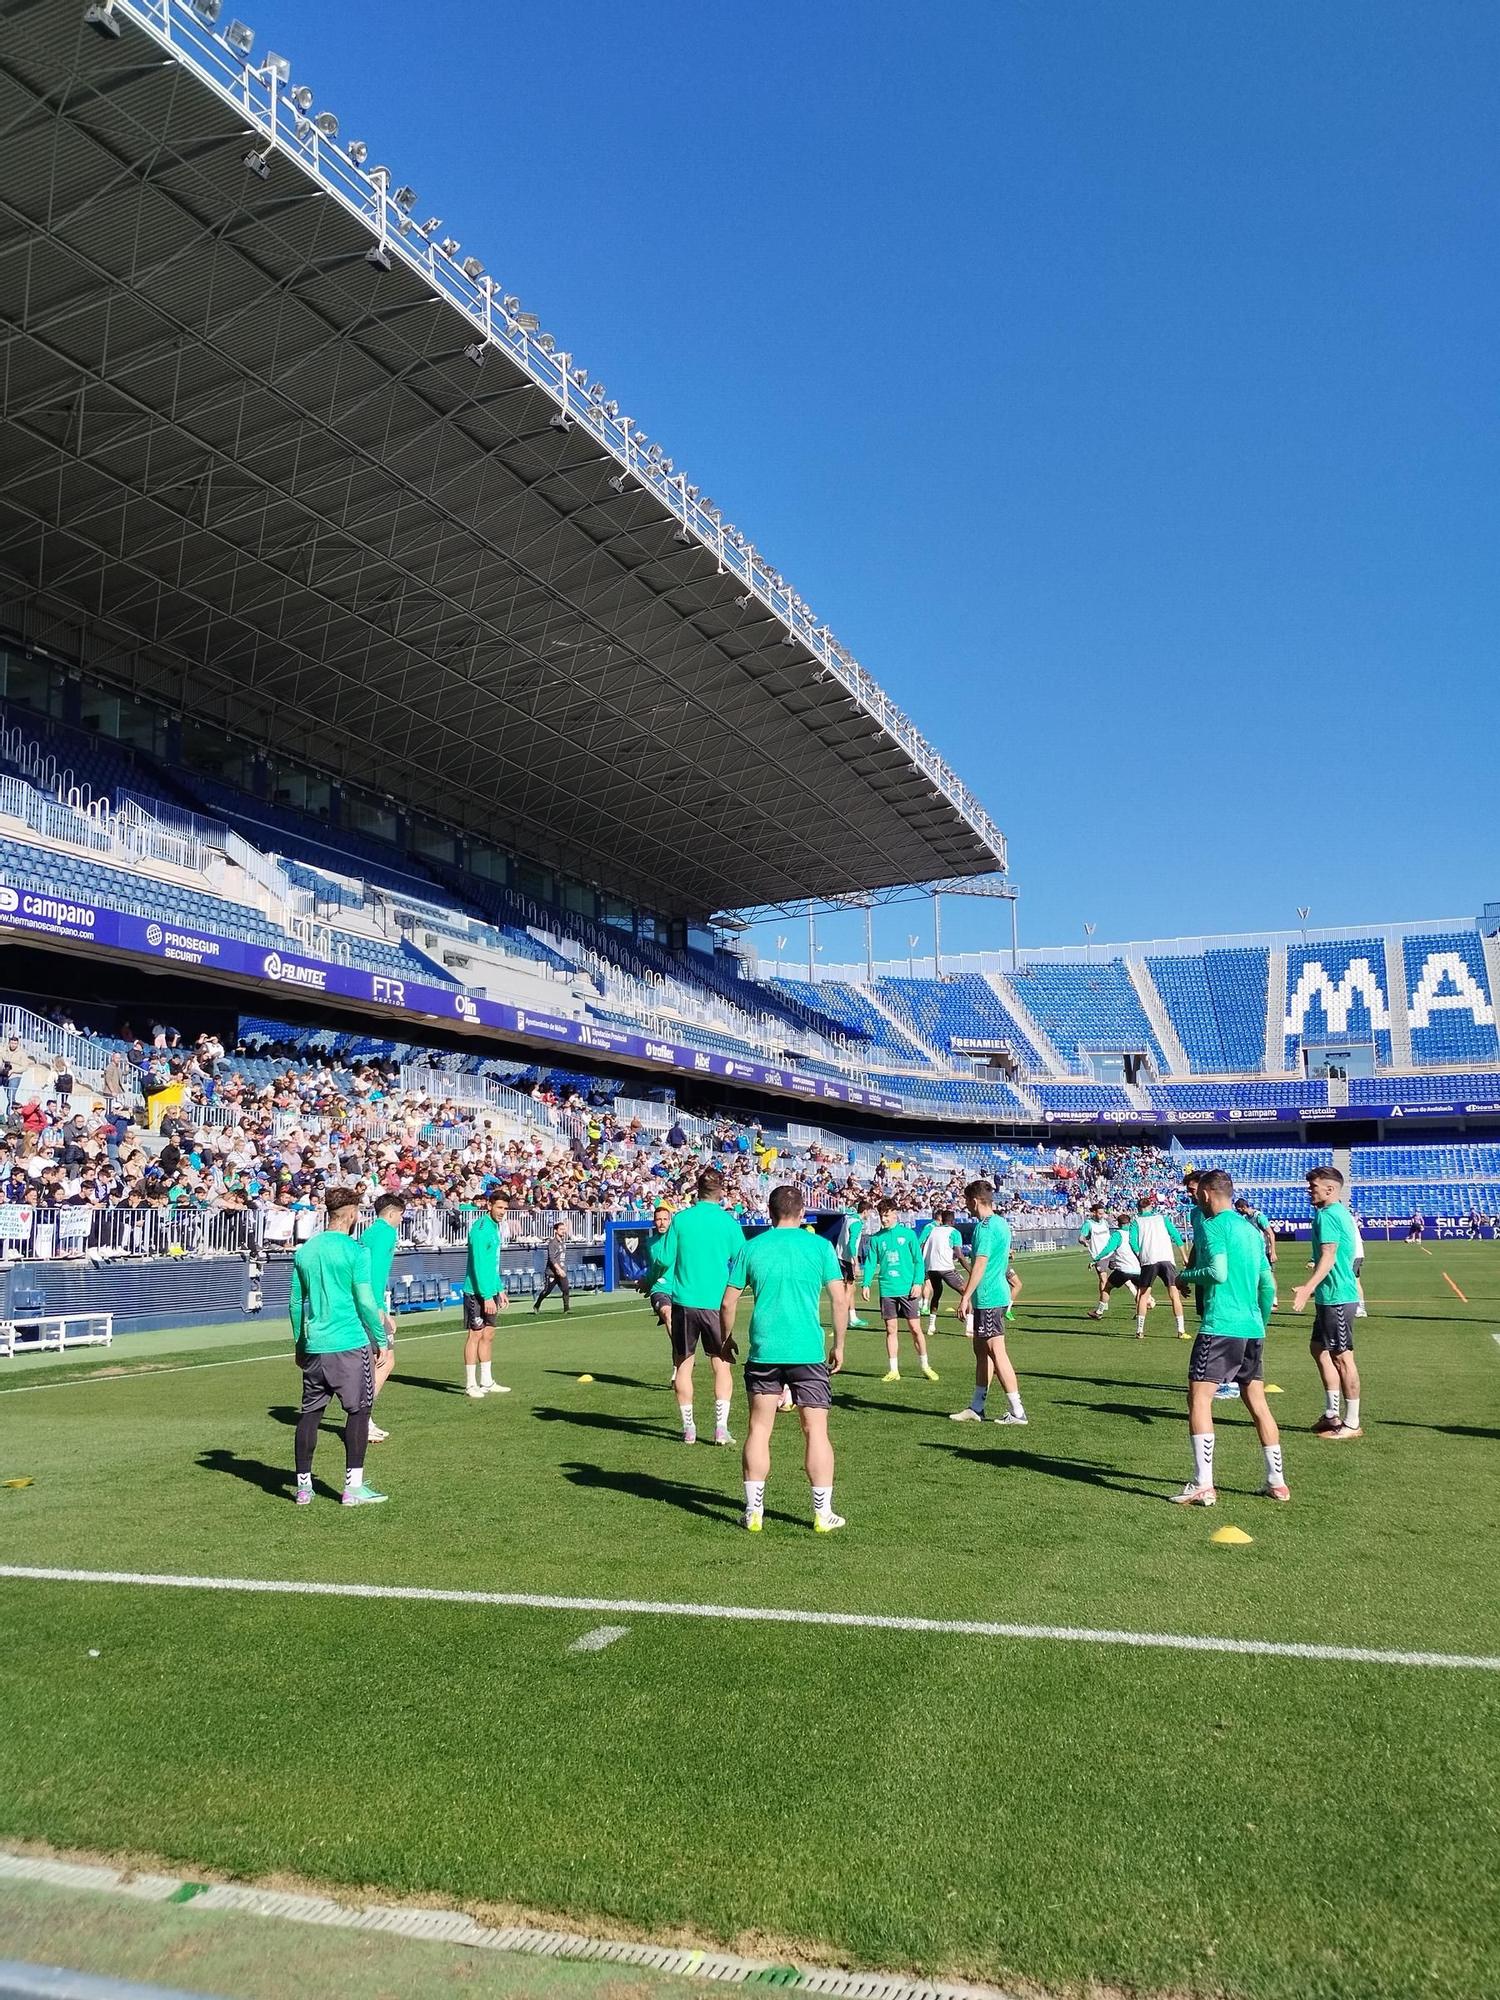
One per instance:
(280, 127)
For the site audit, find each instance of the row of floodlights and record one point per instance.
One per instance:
(240, 37)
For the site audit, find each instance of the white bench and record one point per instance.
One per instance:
(33, 1333)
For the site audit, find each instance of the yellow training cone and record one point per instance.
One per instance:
(1272, 1388)
(585, 1378)
(1231, 1538)
(15, 1482)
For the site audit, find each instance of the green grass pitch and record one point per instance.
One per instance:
(1019, 1810)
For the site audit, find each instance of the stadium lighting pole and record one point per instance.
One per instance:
(812, 947)
(937, 935)
(1304, 911)
(1088, 942)
(911, 945)
(1015, 934)
(869, 944)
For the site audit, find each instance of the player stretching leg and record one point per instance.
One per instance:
(896, 1254)
(1332, 1285)
(380, 1240)
(484, 1300)
(988, 1295)
(1094, 1234)
(788, 1269)
(1231, 1345)
(705, 1247)
(1117, 1265)
(338, 1331)
(940, 1244)
(1155, 1240)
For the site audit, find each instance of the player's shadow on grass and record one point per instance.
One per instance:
(280, 1480)
(1447, 1430)
(602, 1420)
(1079, 1471)
(1109, 1382)
(846, 1399)
(433, 1382)
(706, 1501)
(1137, 1412)
(614, 1381)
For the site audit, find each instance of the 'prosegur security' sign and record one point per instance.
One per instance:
(121, 930)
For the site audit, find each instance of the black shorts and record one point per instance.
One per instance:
(1216, 1359)
(1333, 1328)
(1117, 1278)
(902, 1308)
(937, 1280)
(989, 1323)
(660, 1299)
(1151, 1272)
(475, 1317)
(846, 1265)
(809, 1382)
(349, 1375)
(1359, 1265)
(692, 1325)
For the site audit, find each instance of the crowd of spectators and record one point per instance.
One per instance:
(179, 1129)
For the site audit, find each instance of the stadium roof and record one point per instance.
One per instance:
(277, 455)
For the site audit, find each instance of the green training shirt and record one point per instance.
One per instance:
(482, 1277)
(991, 1240)
(787, 1270)
(1236, 1278)
(659, 1263)
(1334, 1224)
(707, 1248)
(380, 1240)
(897, 1255)
(333, 1306)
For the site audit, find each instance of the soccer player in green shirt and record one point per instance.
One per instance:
(986, 1293)
(706, 1248)
(894, 1252)
(657, 1283)
(788, 1268)
(1334, 1287)
(337, 1330)
(380, 1240)
(484, 1298)
(856, 1228)
(1230, 1346)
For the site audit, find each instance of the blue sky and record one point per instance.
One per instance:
(1118, 382)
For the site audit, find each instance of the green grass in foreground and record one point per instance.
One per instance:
(1158, 1821)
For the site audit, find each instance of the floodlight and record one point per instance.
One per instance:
(432, 225)
(358, 152)
(304, 129)
(102, 17)
(511, 304)
(611, 409)
(405, 199)
(692, 492)
(208, 10)
(527, 322)
(301, 99)
(240, 37)
(327, 124)
(667, 467)
(278, 67)
(545, 342)
(596, 392)
(654, 454)
(473, 268)
(450, 246)
(580, 376)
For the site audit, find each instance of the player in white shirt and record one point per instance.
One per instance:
(1094, 1234)
(1117, 1264)
(940, 1244)
(1359, 1265)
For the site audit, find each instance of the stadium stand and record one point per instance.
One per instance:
(1217, 1004)
(1466, 1086)
(1336, 991)
(1452, 1013)
(1088, 1007)
(967, 1007)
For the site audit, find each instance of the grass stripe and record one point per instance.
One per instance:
(960, 1628)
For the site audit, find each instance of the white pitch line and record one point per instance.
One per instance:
(145, 1368)
(598, 1639)
(963, 1628)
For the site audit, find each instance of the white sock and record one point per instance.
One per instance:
(354, 1476)
(471, 1375)
(1330, 1402)
(687, 1416)
(1140, 1322)
(755, 1495)
(485, 1377)
(1274, 1474)
(931, 1324)
(304, 1479)
(822, 1499)
(1203, 1457)
(1180, 1327)
(1351, 1413)
(1014, 1401)
(721, 1413)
